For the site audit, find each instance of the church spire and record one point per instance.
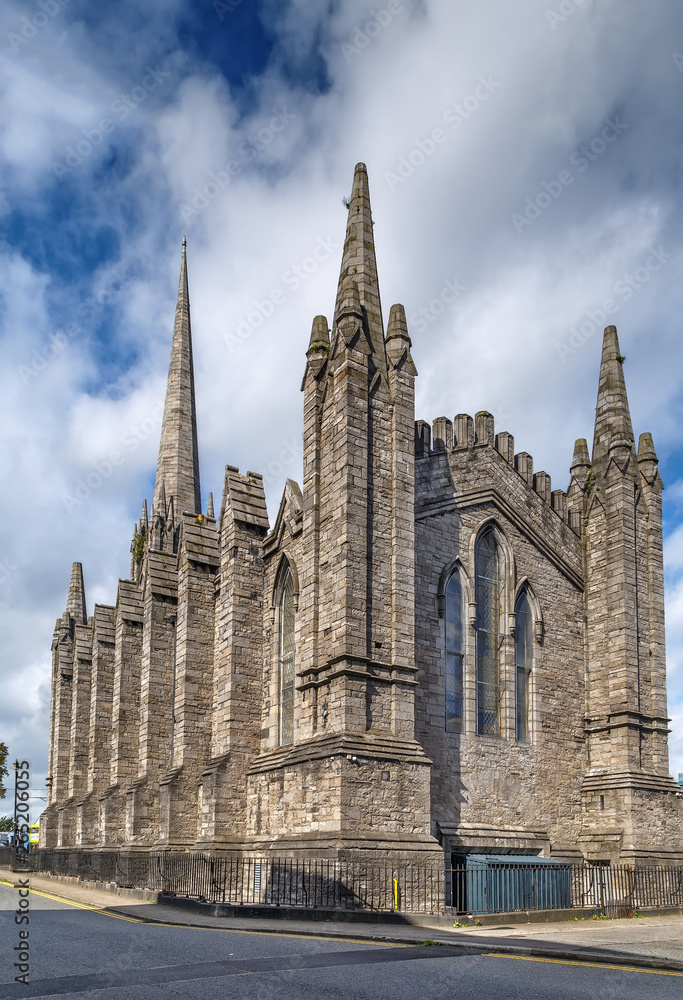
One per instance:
(358, 261)
(75, 602)
(612, 416)
(178, 465)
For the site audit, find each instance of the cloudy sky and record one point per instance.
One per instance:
(524, 162)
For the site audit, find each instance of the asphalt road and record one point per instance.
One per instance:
(78, 952)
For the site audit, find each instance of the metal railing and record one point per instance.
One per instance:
(317, 884)
(499, 886)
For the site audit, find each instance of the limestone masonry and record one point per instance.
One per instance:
(431, 652)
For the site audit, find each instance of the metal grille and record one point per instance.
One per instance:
(286, 660)
(501, 886)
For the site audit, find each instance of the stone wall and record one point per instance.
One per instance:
(490, 791)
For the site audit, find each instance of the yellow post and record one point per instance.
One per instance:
(396, 894)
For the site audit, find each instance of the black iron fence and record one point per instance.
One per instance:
(318, 884)
(499, 886)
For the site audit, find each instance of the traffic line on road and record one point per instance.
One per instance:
(588, 965)
(93, 909)
(160, 976)
(221, 930)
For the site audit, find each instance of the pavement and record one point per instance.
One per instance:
(654, 942)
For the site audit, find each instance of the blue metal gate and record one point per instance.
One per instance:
(494, 883)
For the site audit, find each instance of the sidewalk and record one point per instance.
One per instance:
(652, 942)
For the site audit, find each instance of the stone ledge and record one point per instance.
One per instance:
(629, 780)
(341, 745)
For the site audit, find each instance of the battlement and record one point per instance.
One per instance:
(467, 433)
(244, 496)
(201, 540)
(104, 629)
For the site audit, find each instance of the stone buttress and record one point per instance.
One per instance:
(58, 822)
(98, 724)
(353, 781)
(629, 799)
(238, 663)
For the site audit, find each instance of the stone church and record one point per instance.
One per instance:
(430, 653)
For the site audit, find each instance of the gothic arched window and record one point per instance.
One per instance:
(524, 631)
(455, 651)
(286, 622)
(490, 598)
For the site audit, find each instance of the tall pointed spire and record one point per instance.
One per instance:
(612, 415)
(75, 602)
(178, 465)
(358, 261)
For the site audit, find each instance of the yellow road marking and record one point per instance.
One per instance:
(196, 927)
(588, 965)
(95, 909)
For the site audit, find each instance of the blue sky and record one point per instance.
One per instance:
(528, 154)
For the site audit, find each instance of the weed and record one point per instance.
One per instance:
(138, 548)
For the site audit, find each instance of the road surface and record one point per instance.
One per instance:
(77, 951)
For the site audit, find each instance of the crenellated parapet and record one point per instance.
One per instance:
(469, 434)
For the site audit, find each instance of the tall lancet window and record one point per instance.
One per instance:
(455, 650)
(523, 659)
(286, 623)
(490, 597)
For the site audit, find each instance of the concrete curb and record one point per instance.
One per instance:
(481, 946)
(151, 895)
